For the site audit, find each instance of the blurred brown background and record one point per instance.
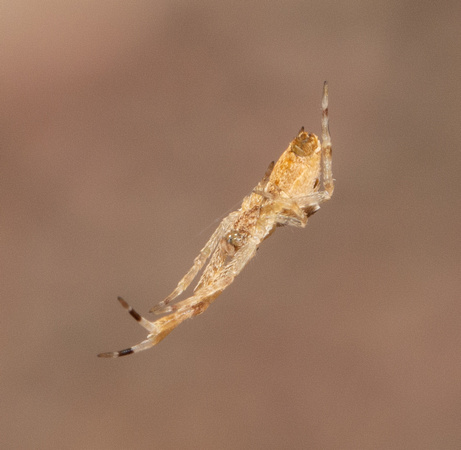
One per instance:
(128, 129)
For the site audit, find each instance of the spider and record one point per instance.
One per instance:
(288, 194)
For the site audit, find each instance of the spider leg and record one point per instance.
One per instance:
(214, 266)
(328, 182)
(198, 262)
(163, 326)
(144, 345)
(205, 295)
(158, 330)
(148, 325)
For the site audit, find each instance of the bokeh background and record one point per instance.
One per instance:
(128, 130)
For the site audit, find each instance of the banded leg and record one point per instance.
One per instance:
(162, 327)
(159, 329)
(148, 325)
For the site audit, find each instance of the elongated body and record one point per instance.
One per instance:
(291, 190)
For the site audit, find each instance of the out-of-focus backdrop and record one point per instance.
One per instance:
(128, 129)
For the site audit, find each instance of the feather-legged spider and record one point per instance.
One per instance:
(289, 193)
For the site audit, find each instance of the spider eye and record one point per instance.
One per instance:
(234, 238)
